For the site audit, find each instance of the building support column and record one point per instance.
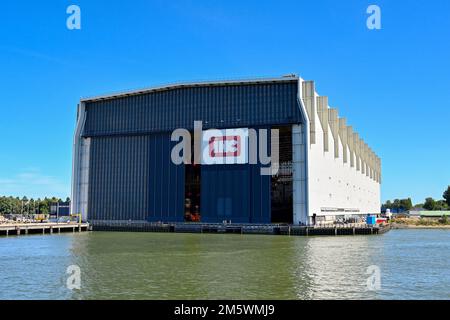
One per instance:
(299, 170)
(80, 166)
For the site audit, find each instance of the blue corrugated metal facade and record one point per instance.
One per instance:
(224, 106)
(235, 192)
(118, 177)
(165, 181)
(131, 176)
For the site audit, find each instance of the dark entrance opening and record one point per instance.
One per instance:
(192, 193)
(220, 183)
(192, 189)
(281, 186)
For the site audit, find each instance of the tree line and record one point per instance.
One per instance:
(400, 205)
(16, 205)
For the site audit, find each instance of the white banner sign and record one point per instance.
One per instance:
(227, 146)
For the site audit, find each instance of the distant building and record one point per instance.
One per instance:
(430, 214)
(60, 209)
(415, 212)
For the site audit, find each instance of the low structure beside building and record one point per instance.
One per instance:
(429, 214)
(60, 209)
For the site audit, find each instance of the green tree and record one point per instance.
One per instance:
(399, 204)
(446, 196)
(430, 204)
(396, 204)
(44, 206)
(406, 204)
(16, 205)
(32, 206)
(441, 205)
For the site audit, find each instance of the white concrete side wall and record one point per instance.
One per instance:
(299, 178)
(336, 188)
(80, 167)
(84, 177)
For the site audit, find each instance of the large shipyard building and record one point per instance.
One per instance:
(247, 151)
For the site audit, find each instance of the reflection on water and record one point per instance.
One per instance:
(413, 263)
(337, 269)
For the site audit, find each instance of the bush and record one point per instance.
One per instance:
(444, 219)
(425, 222)
(399, 220)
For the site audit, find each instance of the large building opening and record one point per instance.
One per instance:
(192, 193)
(192, 190)
(281, 184)
(226, 184)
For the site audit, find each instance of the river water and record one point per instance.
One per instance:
(412, 264)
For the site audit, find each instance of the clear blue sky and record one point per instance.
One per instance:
(393, 84)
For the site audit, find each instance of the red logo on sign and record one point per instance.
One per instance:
(225, 146)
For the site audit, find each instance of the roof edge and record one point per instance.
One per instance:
(178, 85)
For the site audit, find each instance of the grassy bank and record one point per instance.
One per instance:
(430, 223)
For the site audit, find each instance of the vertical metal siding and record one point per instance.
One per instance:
(235, 192)
(118, 188)
(217, 106)
(260, 196)
(133, 178)
(241, 189)
(131, 173)
(225, 193)
(166, 181)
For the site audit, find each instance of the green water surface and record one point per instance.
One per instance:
(413, 264)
